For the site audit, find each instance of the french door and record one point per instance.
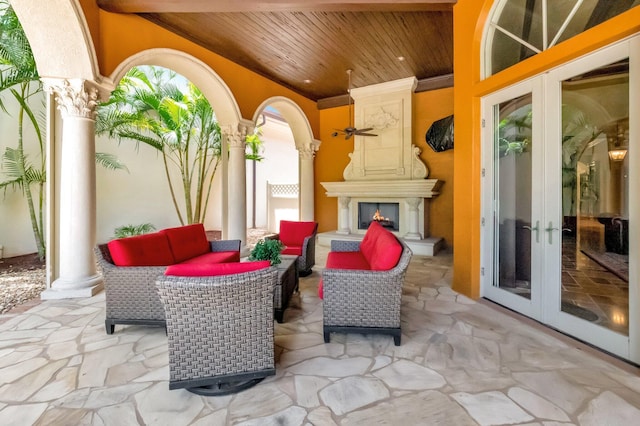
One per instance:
(559, 210)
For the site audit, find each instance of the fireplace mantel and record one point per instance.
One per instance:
(422, 188)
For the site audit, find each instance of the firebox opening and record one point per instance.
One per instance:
(386, 214)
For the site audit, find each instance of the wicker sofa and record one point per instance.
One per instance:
(361, 286)
(219, 326)
(131, 265)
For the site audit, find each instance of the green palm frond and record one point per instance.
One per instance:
(110, 161)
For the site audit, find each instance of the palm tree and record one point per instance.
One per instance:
(153, 106)
(19, 76)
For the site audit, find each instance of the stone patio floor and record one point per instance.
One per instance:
(461, 363)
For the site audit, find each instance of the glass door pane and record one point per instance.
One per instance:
(512, 166)
(595, 196)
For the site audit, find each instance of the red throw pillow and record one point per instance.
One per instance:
(387, 252)
(216, 269)
(293, 233)
(141, 250)
(367, 246)
(187, 241)
(320, 290)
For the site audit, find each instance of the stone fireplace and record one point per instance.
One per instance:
(385, 170)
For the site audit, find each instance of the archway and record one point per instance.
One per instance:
(306, 146)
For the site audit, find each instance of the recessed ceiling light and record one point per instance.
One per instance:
(306, 81)
(401, 58)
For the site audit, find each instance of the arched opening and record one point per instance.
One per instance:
(285, 188)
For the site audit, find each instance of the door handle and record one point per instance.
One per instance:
(535, 228)
(550, 230)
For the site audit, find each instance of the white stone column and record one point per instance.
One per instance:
(413, 205)
(237, 180)
(343, 215)
(307, 190)
(77, 101)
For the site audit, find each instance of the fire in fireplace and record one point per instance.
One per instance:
(386, 214)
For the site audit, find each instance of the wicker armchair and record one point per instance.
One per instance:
(130, 292)
(299, 239)
(363, 301)
(220, 330)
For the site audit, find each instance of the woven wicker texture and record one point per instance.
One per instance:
(308, 257)
(129, 290)
(341, 245)
(219, 325)
(358, 298)
(224, 245)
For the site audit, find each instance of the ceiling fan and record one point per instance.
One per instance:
(351, 130)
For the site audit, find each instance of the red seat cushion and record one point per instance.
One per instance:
(347, 260)
(142, 250)
(297, 250)
(293, 233)
(187, 241)
(215, 269)
(215, 257)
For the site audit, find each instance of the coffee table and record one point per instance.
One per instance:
(286, 286)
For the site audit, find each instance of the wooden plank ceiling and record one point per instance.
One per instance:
(308, 45)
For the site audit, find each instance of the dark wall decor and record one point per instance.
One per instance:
(440, 135)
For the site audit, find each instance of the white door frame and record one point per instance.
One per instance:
(546, 298)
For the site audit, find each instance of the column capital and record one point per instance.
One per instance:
(74, 97)
(413, 203)
(344, 202)
(308, 151)
(236, 133)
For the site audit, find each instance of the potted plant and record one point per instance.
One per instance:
(267, 249)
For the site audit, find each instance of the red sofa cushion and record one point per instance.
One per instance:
(187, 241)
(215, 269)
(293, 233)
(215, 257)
(142, 250)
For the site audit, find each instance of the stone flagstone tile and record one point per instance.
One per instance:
(95, 365)
(20, 390)
(219, 418)
(113, 396)
(26, 414)
(13, 372)
(307, 388)
(63, 384)
(556, 389)
(158, 406)
(491, 408)
(421, 409)
(537, 405)
(66, 416)
(352, 393)
(330, 350)
(609, 409)
(119, 414)
(327, 367)
(321, 416)
(262, 400)
(407, 375)
(632, 382)
(298, 340)
(292, 416)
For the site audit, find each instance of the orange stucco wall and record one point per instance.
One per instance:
(469, 20)
(122, 36)
(333, 158)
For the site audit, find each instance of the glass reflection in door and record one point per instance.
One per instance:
(595, 202)
(512, 188)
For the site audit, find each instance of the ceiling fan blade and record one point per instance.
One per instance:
(365, 130)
